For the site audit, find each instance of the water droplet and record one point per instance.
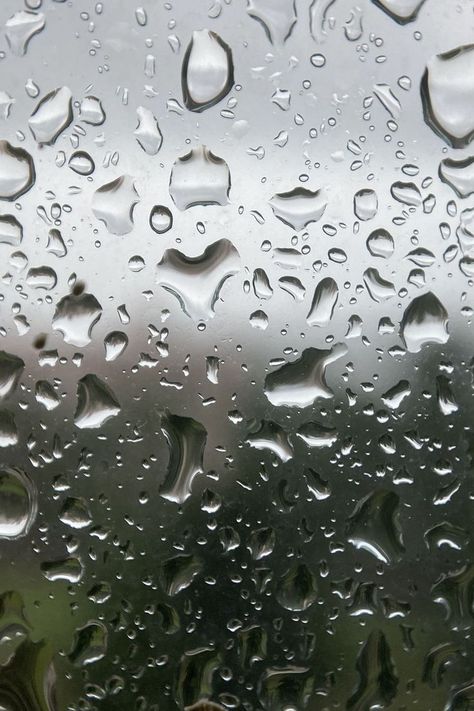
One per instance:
(459, 174)
(18, 503)
(161, 219)
(52, 115)
(380, 243)
(373, 526)
(448, 95)
(299, 207)
(277, 17)
(400, 10)
(148, 132)
(75, 317)
(17, 171)
(208, 71)
(186, 440)
(81, 163)
(91, 111)
(297, 589)
(90, 644)
(11, 231)
(365, 204)
(115, 344)
(199, 178)
(197, 281)
(425, 321)
(113, 203)
(96, 403)
(324, 302)
(20, 28)
(270, 436)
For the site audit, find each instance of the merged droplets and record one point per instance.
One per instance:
(18, 503)
(113, 203)
(17, 171)
(208, 71)
(448, 95)
(197, 281)
(199, 178)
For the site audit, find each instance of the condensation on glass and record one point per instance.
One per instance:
(236, 356)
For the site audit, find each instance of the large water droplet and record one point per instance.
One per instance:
(459, 174)
(20, 28)
(148, 132)
(323, 304)
(301, 383)
(113, 203)
(96, 403)
(373, 526)
(186, 440)
(75, 317)
(447, 91)
(11, 231)
(208, 71)
(18, 503)
(277, 17)
(161, 219)
(297, 589)
(425, 321)
(90, 644)
(17, 171)
(52, 115)
(197, 281)
(298, 207)
(199, 178)
(401, 10)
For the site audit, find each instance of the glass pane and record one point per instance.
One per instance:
(236, 367)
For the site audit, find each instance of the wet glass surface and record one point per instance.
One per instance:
(236, 358)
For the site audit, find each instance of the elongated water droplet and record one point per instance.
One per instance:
(186, 440)
(208, 71)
